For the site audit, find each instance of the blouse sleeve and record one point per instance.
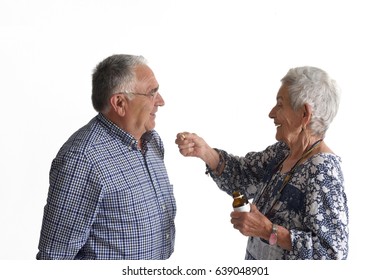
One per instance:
(325, 218)
(247, 173)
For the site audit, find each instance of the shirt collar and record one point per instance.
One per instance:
(122, 135)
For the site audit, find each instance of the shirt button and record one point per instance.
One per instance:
(167, 236)
(133, 145)
(163, 207)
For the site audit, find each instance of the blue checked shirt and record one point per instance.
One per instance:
(107, 198)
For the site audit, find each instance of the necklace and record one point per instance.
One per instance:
(305, 154)
(286, 178)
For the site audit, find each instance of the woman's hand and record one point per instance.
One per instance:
(252, 223)
(191, 145)
(255, 224)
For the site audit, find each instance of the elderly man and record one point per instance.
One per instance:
(110, 196)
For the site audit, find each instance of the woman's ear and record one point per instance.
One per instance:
(118, 104)
(306, 116)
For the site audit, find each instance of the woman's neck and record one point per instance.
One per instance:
(301, 154)
(301, 146)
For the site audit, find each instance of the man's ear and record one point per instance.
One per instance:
(118, 104)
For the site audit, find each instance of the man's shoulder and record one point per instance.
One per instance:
(84, 138)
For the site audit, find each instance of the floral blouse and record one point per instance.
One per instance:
(312, 205)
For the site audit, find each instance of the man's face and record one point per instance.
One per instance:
(142, 109)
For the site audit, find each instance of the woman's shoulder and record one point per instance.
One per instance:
(278, 147)
(271, 150)
(325, 164)
(325, 158)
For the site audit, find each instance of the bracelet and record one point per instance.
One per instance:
(220, 164)
(273, 239)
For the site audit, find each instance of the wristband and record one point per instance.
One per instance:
(273, 238)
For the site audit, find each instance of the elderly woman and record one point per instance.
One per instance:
(299, 208)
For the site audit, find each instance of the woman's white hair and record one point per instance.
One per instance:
(314, 87)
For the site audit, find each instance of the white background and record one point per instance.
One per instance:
(219, 65)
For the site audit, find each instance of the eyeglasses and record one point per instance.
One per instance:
(151, 94)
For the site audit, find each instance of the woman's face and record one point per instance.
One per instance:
(287, 121)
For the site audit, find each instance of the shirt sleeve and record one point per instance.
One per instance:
(326, 215)
(71, 205)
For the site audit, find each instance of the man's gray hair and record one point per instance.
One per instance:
(114, 74)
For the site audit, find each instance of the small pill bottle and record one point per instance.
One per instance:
(240, 202)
